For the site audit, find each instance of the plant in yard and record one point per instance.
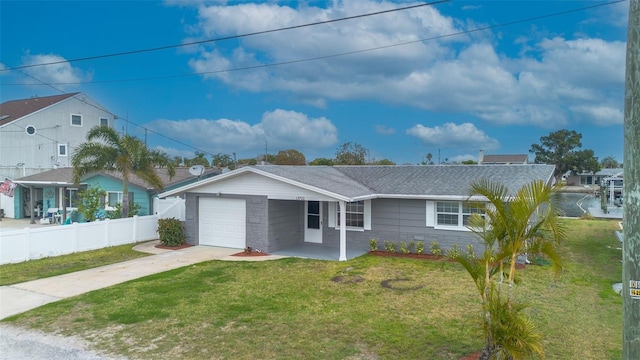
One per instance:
(511, 225)
(373, 244)
(404, 249)
(171, 232)
(90, 201)
(470, 251)
(116, 213)
(106, 150)
(453, 252)
(435, 249)
(419, 247)
(412, 246)
(389, 246)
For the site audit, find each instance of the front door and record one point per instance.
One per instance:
(313, 222)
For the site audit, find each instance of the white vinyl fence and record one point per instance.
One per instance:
(35, 243)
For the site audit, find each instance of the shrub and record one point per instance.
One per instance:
(435, 249)
(412, 245)
(171, 232)
(389, 246)
(373, 244)
(90, 202)
(454, 252)
(470, 251)
(419, 247)
(404, 249)
(134, 208)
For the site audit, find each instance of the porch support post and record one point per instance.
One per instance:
(33, 221)
(343, 231)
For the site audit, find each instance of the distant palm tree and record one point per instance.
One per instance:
(106, 150)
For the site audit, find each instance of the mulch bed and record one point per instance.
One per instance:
(183, 246)
(253, 253)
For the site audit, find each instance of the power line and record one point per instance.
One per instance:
(111, 113)
(226, 37)
(253, 67)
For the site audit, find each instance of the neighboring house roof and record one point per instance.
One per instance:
(619, 172)
(362, 182)
(64, 176)
(15, 109)
(505, 159)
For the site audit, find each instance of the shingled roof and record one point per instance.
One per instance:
(360, 182)
(15, 109)
(64, 176)
(505, 159)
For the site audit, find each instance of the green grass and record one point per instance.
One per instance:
(291, 309)
(52, 266)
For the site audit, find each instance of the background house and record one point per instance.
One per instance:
(41, 133)
(60, 193)
(504, 159)
(289, 209)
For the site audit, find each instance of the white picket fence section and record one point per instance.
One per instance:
(36, 243)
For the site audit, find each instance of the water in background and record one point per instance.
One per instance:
(573, 204)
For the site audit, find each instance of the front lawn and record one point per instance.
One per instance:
(64, 264)
(291, 308)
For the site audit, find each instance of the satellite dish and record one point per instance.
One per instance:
(196, 170)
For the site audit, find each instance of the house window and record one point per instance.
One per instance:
(455, 213)
(115, 197)
(62, 150)
(104, 122)
(71, 198)
(76, 120)
(447, 213)
(354, 215)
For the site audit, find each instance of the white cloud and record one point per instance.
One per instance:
(385, 130)
(279, 128)
(450, 135)
(54, 74)
(537, 83)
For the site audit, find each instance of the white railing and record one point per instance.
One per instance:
(34, 243)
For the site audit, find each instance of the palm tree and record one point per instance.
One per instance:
(106, 150)
(526, 222)
(512, 225)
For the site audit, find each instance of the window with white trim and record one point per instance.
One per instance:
(354, 214)
(358, 215)
(71, 198)
(104, 121)
(63, 150)
(76, 120)
(114, 198)
(456, 213)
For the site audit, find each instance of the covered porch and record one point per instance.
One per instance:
(322, 252)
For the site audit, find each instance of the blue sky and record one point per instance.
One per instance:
(498, 90)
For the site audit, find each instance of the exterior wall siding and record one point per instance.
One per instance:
(399, 220)
(109, 184)
(286, 224)
(39, 152)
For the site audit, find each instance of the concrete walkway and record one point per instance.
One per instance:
(18, 298)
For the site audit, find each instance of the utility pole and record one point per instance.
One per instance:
(631, 206)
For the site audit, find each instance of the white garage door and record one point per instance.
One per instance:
(222, 222)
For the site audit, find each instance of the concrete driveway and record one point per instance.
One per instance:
(18, 298)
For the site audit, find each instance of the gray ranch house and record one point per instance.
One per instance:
(336, 210)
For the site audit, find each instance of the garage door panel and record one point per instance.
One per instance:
(222, 222)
